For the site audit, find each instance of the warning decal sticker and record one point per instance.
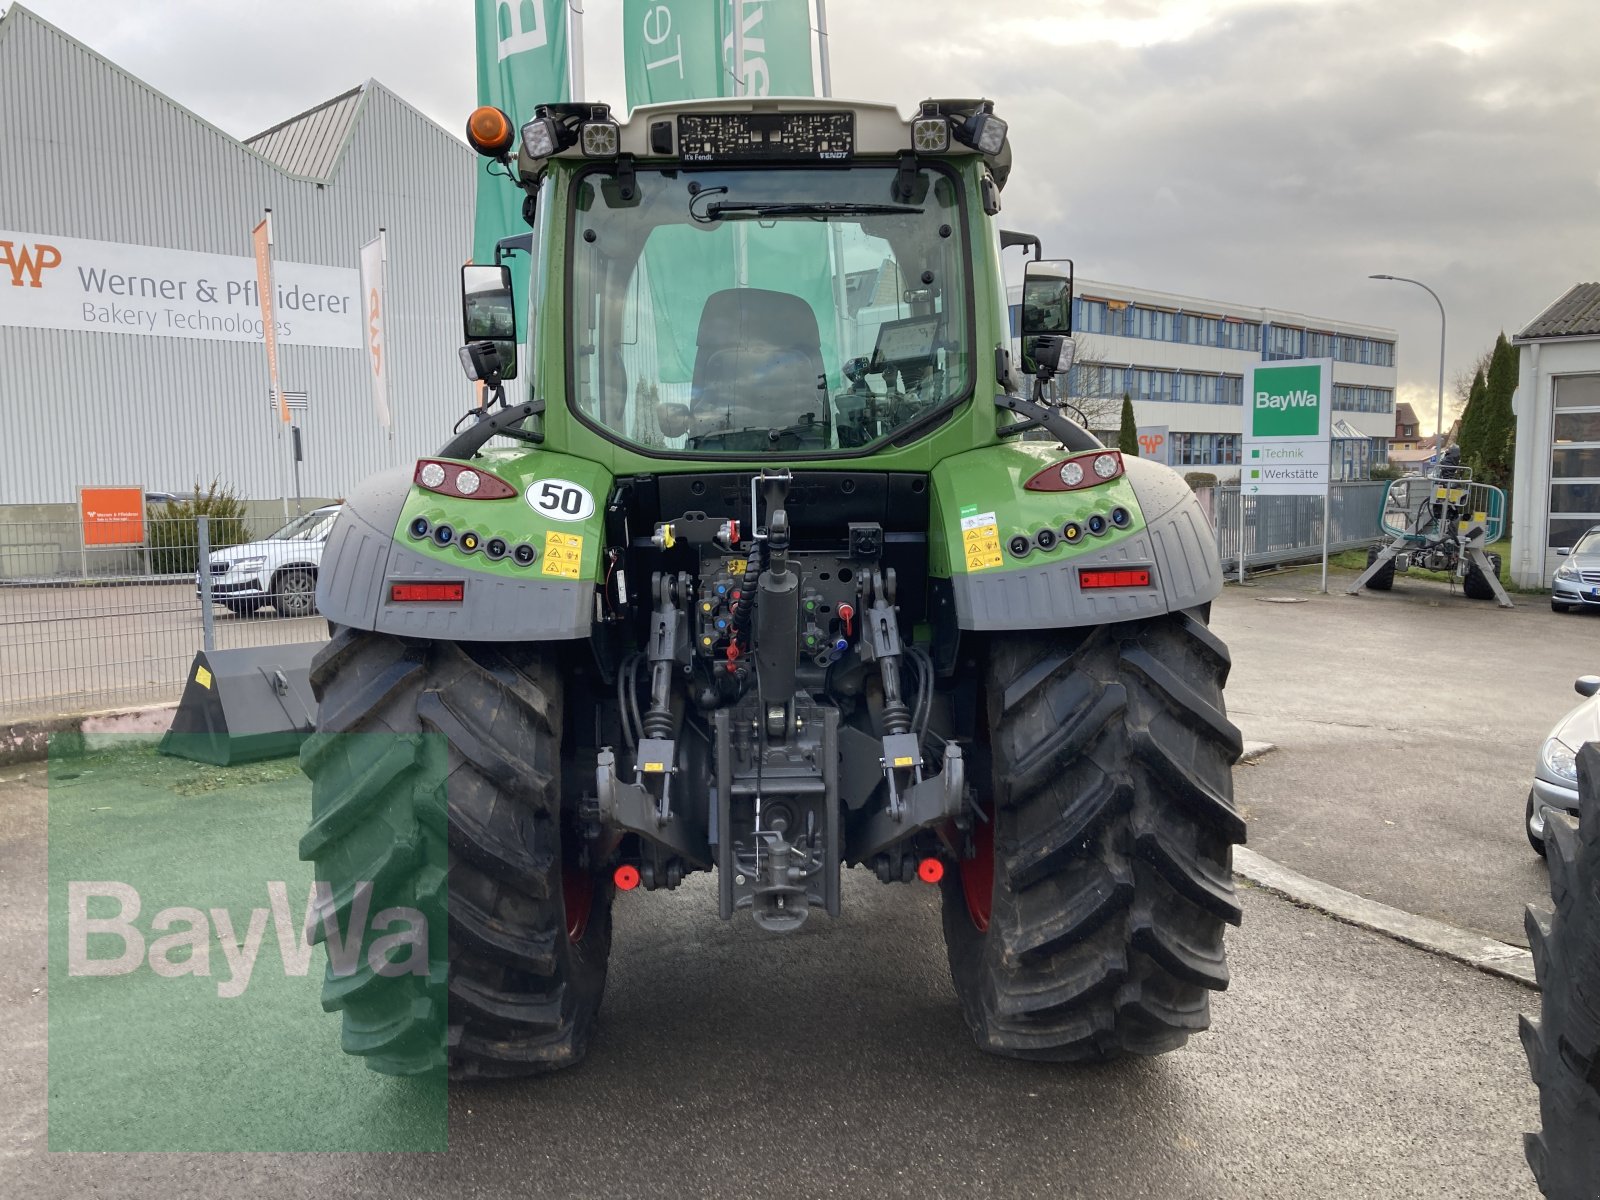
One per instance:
(980, 538)
(563, 554)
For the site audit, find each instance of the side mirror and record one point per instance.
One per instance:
(1587, 685)
(1046, 325)
(1563, 551)
(488, 316)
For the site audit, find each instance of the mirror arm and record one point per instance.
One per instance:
(469, 441)
(1070, 434)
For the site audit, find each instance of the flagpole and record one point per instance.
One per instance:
(575, 48)
(388, 358)
(822, 47)
(738, 47)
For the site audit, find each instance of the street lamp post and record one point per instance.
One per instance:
(1438, 433)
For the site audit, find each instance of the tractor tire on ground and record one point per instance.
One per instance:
(1474, 586)
(529, 928)
(1090, 924)
(1383, 581)
(1563, 1046)
(294, 594)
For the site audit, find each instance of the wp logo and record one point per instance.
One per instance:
(28, 263)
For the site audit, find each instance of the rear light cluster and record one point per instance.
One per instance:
(1070, 534)
(470, 542)
(1079, 471)
(459, 481)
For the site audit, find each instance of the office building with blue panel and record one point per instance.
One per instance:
(1182, 359)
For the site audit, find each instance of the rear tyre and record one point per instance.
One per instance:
(1563, 1046)
(529, 924)
(294, 594)
(1474, 586)
(244, 608)
(1383, 581)
(1090, 924)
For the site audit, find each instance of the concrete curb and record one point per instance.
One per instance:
(29, 741)
(1256, 751)
(1474, 949)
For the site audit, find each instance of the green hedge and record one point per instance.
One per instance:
(172, 531)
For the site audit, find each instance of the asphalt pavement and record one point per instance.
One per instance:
(834, 1062)
(1407, 725)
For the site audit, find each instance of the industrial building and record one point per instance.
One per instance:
(130, 333)
(1181, 359)
(1556, 475)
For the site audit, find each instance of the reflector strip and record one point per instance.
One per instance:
(1120, 578)
(427, 593)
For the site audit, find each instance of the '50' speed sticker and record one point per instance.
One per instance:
(561, 500)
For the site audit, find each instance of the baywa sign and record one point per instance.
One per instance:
(1289, 401)
(49, 282)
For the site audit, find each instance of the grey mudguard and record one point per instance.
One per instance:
(1176, 544)
(361, 559)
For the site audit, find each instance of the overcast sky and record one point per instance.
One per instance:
(1271, 152)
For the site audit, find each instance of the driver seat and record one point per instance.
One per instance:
(758, 363)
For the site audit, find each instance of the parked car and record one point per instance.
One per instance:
(1555, 775)
(279, 571)
(1577, 581)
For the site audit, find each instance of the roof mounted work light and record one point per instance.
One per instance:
(983, 131)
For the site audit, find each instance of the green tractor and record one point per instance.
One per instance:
(762, 556)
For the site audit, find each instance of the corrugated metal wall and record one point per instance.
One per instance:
(87, 151)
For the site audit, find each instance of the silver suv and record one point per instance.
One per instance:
(280, 571)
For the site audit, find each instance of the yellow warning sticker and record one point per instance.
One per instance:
(980, 539)
(903, 761)
(563, 554)
(202, 677)
(736, 566)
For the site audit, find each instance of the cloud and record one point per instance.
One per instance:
(1271, 152)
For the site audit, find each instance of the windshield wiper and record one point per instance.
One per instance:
(796, 208)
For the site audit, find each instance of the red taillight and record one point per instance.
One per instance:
(930, 870)
(626, 877)
(460, 481)
(427, 593)
(1080, 471)
(1093, 577)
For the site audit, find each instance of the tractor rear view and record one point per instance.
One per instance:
(762, 558)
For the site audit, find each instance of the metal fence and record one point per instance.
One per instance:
(1283, 529)
(85, 628)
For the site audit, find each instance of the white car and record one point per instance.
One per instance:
(280, 571)
(1555, 776)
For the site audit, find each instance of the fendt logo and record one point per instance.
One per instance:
(1288, 402)
(27, 264)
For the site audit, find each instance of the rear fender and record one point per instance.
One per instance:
(980, 508)
(373, 546)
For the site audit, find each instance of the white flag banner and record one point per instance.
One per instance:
(375, 304)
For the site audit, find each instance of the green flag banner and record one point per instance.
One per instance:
(683, 49)
(522, 62)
